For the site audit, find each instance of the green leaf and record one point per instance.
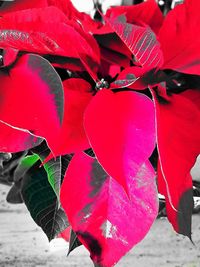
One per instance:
(42, 202)
(53, 167)
(24, 165)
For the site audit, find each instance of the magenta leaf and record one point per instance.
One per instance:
(120, 127)
(104, 219)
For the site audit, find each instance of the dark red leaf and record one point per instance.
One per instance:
(32, 98)
(114, 58)
(47, 31)
(180, 39)
(105, 220)
(147, 13)
(120, 128)
(140, 40)
(113, 43)
(178, 122)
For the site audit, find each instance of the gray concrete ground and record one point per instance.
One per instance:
(22, 244)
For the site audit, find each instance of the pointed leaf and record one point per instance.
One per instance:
(140, 40)
(55, 168)
(42, 202)
(73, 242)
(147, 13)
(101, 208)
(120, 127)
(31, 91)
(180, 40)
(47, 31)
(178, 120)
(130, 77)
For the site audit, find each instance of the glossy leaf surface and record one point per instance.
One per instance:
(120, 127)
(101, 208)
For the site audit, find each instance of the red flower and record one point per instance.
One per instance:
(120, 125)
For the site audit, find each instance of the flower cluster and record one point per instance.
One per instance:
(105, 95)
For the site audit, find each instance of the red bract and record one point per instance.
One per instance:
(77, 95)
(100, 195)
(13, 140)
(178, 120)
(119, 130)
(105, 220)
(178, 183)
(141, 41)
(179, 38)
(145, 13)
(10, 6)
(131, 77)
(47, 31)
(31, 91)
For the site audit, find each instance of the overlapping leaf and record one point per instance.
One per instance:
(77, 94)
(120, 129)
(42, 202)
(31, 92)
(14, 195)
(55, 167)
(147, 13)
(179, 38)
(140, 40)
(101, 208)
(178, 120)
(47, 31)
(11, 6)
(13, 140)
(130, 77)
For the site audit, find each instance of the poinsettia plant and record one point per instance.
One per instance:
(85, 103)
